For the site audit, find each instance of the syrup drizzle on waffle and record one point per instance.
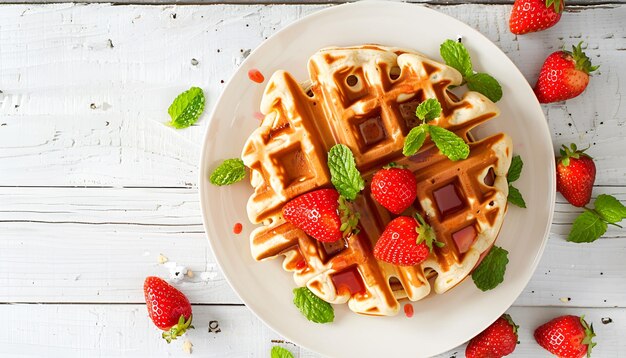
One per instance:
(365, 97)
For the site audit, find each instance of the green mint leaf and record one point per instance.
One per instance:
(456, 56)
(343, 172)
(229, 172)
(450, 144)
(312, 307)
(610, 209)
(588, 227)
(186, 108)
(485, 84)
(280, 352)
(515, 197)
(428, 110)
(515, 169)
(490, 273)
(415, 139)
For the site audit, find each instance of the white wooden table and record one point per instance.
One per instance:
(94, 186)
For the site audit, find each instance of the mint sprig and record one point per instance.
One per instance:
(456, 56)
(186, 108)
(515, 170)
(450, 144)
(312, 307)
(280, 352)
(343, 172)
(593, 223)
(428, 110)
(490, 273)
(229, 172)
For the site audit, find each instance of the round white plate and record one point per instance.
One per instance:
(441, 322)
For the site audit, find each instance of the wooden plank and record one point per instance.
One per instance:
(98, 244)
(126, 331)
(129, 62)
(307, 2)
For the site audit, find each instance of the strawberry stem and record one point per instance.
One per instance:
(589, 334)
(583, 63)
(178, 329)
(426, 234)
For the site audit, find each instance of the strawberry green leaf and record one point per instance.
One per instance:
(583, 63)
(415, 139)
(178, 329)
(229, 172)
(555, 4)
(450, 144)
(343, 172)
(515, 197)
(456, 56)
(186, 108)
(349, 218)
(588, 227)
(490, 273)
(610, 209)
(515, 170)
(485, 84)
(428, 110)
(312, 307)
(280, 352)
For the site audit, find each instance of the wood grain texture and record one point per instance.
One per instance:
(98, 244)
(126, 331)
(309, 2)
(84, 100)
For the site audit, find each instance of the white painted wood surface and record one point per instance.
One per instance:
(93, 185)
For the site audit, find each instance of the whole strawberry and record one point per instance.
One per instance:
(534, 15)
(316, 213)
(566, 337)
(168, 308)
(394, 188)
(406, 241)
(575, 175)
(498, 340)
(564, 75)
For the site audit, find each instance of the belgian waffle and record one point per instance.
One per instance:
(365, 97)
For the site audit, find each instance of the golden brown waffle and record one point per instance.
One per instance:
(365, 97)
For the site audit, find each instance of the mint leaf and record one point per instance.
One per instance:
(485, 84)
(186, 108)
(312, 307)
(456, 56)
(428, 110)
(515, 197)
(343, 172)
(490, 273)
(515, 169)
(588, 227)
(610, 209)
(450, 144)
(280, 352)
(414, 140)
(229, 172)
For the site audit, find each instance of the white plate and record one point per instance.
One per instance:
(440, 322)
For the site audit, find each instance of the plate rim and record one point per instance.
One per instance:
(203, 165)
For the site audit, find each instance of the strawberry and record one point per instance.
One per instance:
(168, 308)
(316, 213)
(564, 75)
(575, 174)
(534, 15)
(406, 241)
(566, 337)
(394, 188)
(498, 340)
